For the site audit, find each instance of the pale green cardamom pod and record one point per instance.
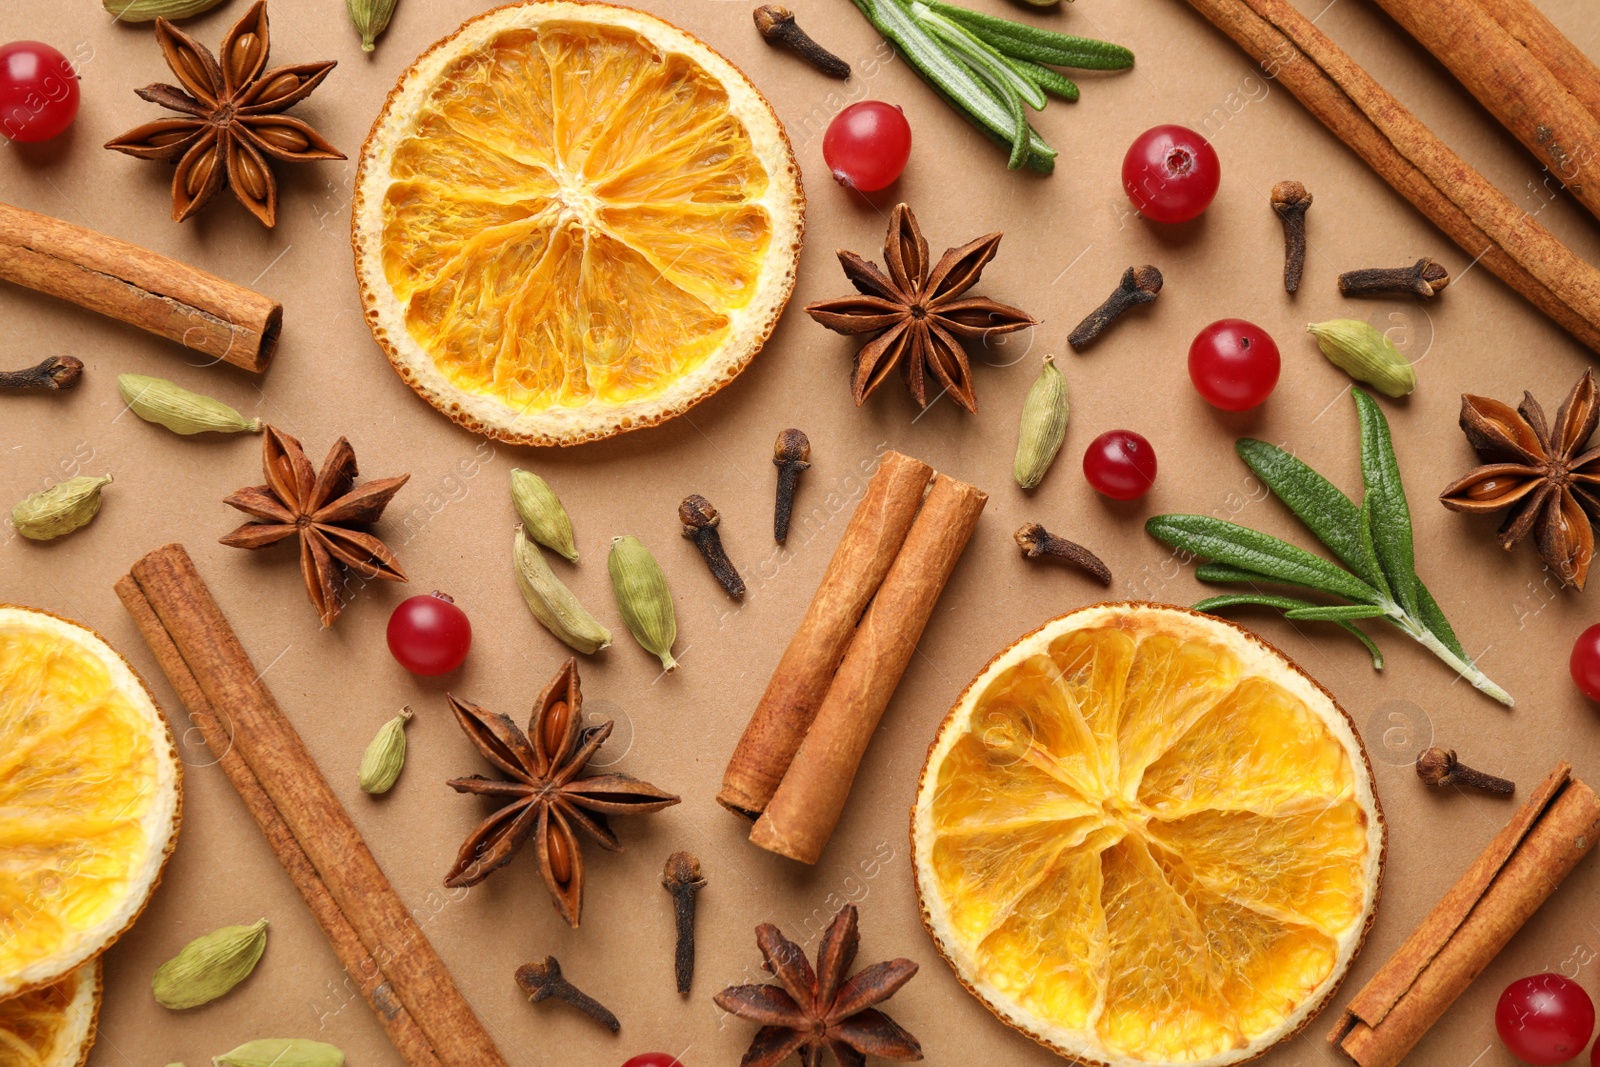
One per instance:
(546, 521)
(644, 597)
(148, 10)
(385, 757)
(1361, 351)
(60, 509)
(169, 404)
(281, 1052)
(552, 603)
(1044, 425)
(371, 17)
(209, 966)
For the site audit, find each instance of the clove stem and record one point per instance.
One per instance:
(778, 27)
(1424, 278)
(52, 374)
(544, 981)
(1440, 767)
(791, 454)
(1139, 285)
(682, 878)
(1291, 200)
(700, 521)
(1038, 543)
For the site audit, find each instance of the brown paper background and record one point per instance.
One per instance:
(1069, 237)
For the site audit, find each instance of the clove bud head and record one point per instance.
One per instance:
(696, 513)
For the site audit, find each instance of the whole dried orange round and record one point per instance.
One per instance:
(90, 791)
(54, 1025)
(1144, 836)
(573, 219)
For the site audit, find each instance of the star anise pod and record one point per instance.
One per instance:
(231, 124)
(812, 1011)
(1548, 476)
(320, 509)
(919, 315)
(545, 798)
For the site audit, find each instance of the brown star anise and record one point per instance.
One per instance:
(320, 509)
(545, 798)
(1548, 477)
(820, 1010)
(918, 314)
(232, 123)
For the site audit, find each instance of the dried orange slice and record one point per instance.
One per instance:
(1143, 836)
(571, 220)
(54, 1025)
(89, 788)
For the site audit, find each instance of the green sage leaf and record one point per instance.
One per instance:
(1369, 552)
(1391, 517)
(1242, 547)
(1335, 612)
(1288, 604)
(1317, 502)
(1432, 617)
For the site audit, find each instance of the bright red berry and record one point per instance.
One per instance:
(1585, 662)
(38, 91)
(1171, 174)
(1234, 364)
(867, 145)
(1120, 464)
(653, 1059)
(429, 635)
(1544, 1019)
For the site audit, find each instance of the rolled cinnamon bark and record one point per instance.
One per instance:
(369, 927)
(1502, 889)
(1574, 70)
(807, 805)
(875, 533)
(1512, 85)
(139, 287)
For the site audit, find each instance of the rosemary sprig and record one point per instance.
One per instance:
(1372, 539)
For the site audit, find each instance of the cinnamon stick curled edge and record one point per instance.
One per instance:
(370, 929)
(139, 287)
(1502, 889)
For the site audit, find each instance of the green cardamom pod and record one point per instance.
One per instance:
(371, 17)
(546, 521)
(1044, 425)
(281, 1052)
(209, 966)
(60, 509)
(385, 757)
(643, 597)
(552, 603)
(171, 405)
(149, 10)
(1361, 351)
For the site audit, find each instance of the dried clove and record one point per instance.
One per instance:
(1439, 766)
(1139, 285)
(1038, 543)
(543, 981)
(54, 373)
(791, 454)
(700, 521)
(1424, 279)
(1291, 201)
(682, 878)
(778, 27)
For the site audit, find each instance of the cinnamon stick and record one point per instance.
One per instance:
(1513, 85)
(1563, 59)
(134, 285)
(369, 927)
(875, 533)
(807, 805)
(1467, 928)
(1484, 222)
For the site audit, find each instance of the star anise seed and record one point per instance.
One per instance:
(1547, 476)
(810, 1012)
(920, 319)
(321, 510)
(230, 124)
(545, 799)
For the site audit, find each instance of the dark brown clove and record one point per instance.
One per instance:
(700, 521)
(1038, 543)
(682, 878)
(778, 27)
(54, 373)
(1139, 285)
(1439, 766)
(543, 981)
(1424, 279)
(791, 455)
(1291, 201)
